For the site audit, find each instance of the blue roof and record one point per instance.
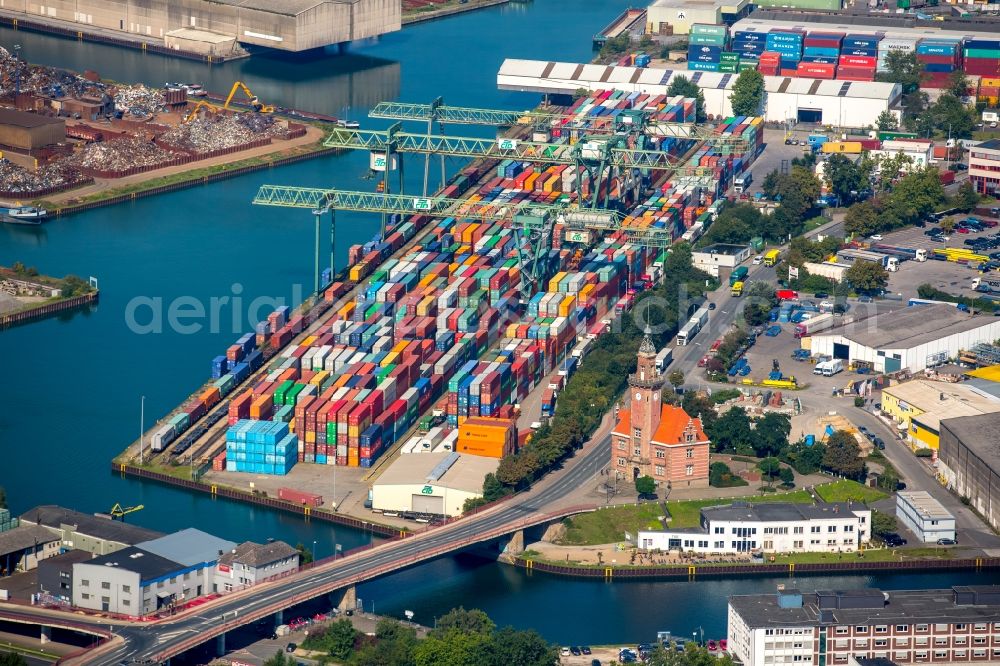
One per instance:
(188, 547)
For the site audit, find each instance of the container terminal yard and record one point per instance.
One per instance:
(456, 317)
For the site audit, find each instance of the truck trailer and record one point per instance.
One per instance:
(849, 256)
(814, 325)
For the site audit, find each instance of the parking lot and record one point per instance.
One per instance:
(775, 152)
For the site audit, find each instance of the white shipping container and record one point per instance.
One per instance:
(162, 437)
(442, 447)
(435, 435)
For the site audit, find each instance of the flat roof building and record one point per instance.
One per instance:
(675, 17)
(719, 256)
(431, 483)
(969, 461)
(25, 131)
(918, 407)
(95, 534)
(960, 624)
(924, 516)
(984, 167)
(911, 338)
(23, 547)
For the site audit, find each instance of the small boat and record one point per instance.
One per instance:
(23, 215)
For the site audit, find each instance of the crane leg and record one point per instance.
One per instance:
(318, 215)
(333, 244)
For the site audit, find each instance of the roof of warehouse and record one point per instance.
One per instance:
(189, 547)
(978, 434)
(466, 474)
(148, 565)
(992, 144)
(24, 119)
(859, 25)
(54, 517)
(909, 327)
(782, 511)
(24, 536)
(942, 400)
(285, 7)
(253, 554)
(549, 74)
(726, 7)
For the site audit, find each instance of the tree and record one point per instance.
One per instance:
(691, 655)
(3, 498)
(731, 432)
(305, 555)
(958, 84)
(720, 476)
(882, 523)
(805, 459)
(645, 485)
(949, 115)
(492, 488)
(786, 475)
(843, 455)
(748, 93)
(472, 621)
(455, 648)
(525, 647)
(843, 176)
(682, 85)
(887, 121)
(279, 659)
(698, 405)
(966, 198)
(770, 184)
(771, 434)
(74, 286)
(394, 646)
(769, 469)
(676, 378)
(337, 639)
(867, 276)
(904, 69)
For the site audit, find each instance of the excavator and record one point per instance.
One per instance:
(254, 103)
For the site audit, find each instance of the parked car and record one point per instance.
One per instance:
(585, 649)
(821, 294)
(864, 298)
(864, 431)
(772, 331)
(564, 652)
(575, 651)
(932, 232)
(291, 647)
(893, 540)
(962, 230)
(758, 260)
(879, 444)
(947, 542)
(876, 237)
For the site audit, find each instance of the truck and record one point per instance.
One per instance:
(814, 325)
(986, 285)
(625, 303)
(849, 256)
(772, 257)
(582, 347)
(828, 269)
(828, 368)
(786, 295)
(902, 253)
(736, 289)
(926, 301)
(663, 358)
(742, 183)
(739, 274)
(691, 328)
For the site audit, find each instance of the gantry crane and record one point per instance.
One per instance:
(532, 223)
(118, 512)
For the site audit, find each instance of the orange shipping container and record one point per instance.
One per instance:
(210, 397)
(260, 408)
(488, 437)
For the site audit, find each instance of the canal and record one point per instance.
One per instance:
(71, 386)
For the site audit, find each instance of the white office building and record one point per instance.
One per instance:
(770, 527)
(924, 516)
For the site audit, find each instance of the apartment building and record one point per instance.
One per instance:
(832, 628)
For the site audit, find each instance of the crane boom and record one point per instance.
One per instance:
(502, 148)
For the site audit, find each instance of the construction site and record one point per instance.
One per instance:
(472, 306)
(62, 131)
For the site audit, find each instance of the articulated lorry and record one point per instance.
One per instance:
(902, 253)
(814, 325)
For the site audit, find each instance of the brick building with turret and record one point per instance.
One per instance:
(654, 439)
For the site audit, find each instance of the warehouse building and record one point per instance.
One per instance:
(912, 338)
(99, 535)
(772, 527)
(151, 575)
(918, 407)
(838, 103)
(924, 516)
(984, 167)
(675, 17)
(212, 26)
(251, 563)
(23, 547)
(969, 461)
(22, 131)
(431, 483)
(55, 574)
(956, 625)
(720, 256)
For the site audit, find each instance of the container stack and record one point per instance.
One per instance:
(705, 46)
(989, 91)
(770, 63)
(858, 58)
(889, 44)
(750, 46)
(260, 447)
(7, 522)
(787, 43)
(939, 58)
(982, 57)
(822, 47)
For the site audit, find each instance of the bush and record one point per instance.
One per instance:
(720, 476)
(925, 453)
(859, 401)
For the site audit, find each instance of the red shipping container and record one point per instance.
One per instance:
(859, 61)
(986, 67)
(817, 70)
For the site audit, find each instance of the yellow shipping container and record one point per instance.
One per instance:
(425, 306)
(389, 358)
(400, 346)
(358, 271)
(852, 147)
(346, 311)
(552, 184)
(567, 305)
(989, 83)
(556, 279)
(529, 182)
(320, 377)
(426, 280)
(511, 330)
(309, 341)
(489, 437)
(310, 437)
(468, 233)
(585, 293)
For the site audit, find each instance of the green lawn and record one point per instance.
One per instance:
(609, 525)
(845, 490)
(882, 555)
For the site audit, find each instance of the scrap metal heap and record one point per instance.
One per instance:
(15, 179)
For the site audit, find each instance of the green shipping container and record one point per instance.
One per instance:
(728, 67)
(708, 29)
(982, 53)
(729, 57)
(744, 66)
(708, 40)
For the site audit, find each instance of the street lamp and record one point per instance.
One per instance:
(315, 555)
(17, 72)
(142, 412)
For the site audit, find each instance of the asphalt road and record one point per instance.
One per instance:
(166, 638)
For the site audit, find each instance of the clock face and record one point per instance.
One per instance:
(656, 396)
(638, 396)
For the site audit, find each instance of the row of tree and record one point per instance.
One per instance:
(946, 116)
(599, 381)
(912, 199)
(460, 637)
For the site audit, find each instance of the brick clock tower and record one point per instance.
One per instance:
(657, 440)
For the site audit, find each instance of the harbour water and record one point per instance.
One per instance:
(71, 386)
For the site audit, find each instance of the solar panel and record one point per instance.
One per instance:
(443, 466)
(844, 88)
